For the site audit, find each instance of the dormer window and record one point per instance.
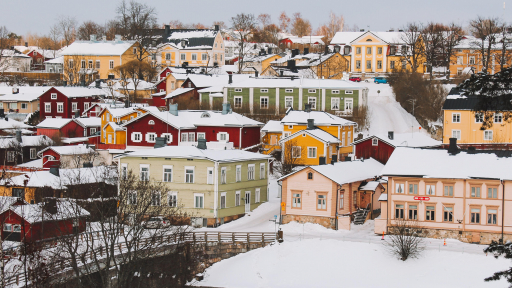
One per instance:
(310, 175)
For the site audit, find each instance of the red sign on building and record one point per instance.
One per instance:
(421, 198)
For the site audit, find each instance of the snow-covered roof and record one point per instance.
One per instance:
(190, 152)
(177, 92)
(216, 118)
(54, 123)
(120, 111)
(383, 197)
(315, 133)
(272, 126)
(39, 90)
(12, 124)
(33, 213)
(193, 34)
(346, 38)
(37, 140)
(370, 186)
(13, 53)
(69, 150)
(438, 163)
(306, 39)
(20, 97)
(259, 58)
(348, 171)
(80, 91)
(130, 85)
(405, 140)
(7, 201)
(201, 80)
(321, 118)
(38, 163)
(98, 48)
(74, 140)
(58, 60)
(289, 83)
(89, 122)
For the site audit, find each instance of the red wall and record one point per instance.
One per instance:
(48, 164)
(161, 85)
(70, 130)
(381, 152)
(48, 132)
(67, 113)
(141, 125)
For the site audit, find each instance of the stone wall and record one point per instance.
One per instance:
(463, 236)
(324, 221)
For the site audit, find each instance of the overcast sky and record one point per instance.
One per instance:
(37, 16)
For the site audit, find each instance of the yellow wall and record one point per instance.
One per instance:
(217, 49)
(104, 120)
(457, 66)
(169, 83)
(267, 146)
(309, 141)
(118, 137)
(333, 130)
(470, 130)
(29, 192)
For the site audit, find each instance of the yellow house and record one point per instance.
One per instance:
(260, 63)
(191, 47)
(271, 134)
(95, 59)
(111, 117)
(174, 81)
(461, 122)
(375, 52)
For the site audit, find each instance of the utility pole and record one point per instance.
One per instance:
(413, 101)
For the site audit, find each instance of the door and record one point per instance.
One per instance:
(364, 199)
(273, 139)
(247, 201)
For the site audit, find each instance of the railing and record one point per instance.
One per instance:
(344, 113)
(154, 243)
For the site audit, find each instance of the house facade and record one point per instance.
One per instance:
(215, 186)
(20, 103)
(21, 149)
(65, 102)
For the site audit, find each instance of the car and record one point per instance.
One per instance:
(157, 222)
(380, 80)
(355, 79)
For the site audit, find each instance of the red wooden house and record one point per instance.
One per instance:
(64, 102)
(162, 80)
(33, 222)
(66, 156)
(186, 126)
(380, 147)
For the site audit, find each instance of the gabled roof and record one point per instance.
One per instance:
(196, 38)
(12, 124)
(20, 97)
(68, 150)
(115, 127)
(404, 140)
(80, 91)
(98, 48)
(273, 126)
(120, 111)
(89, 122)
(177, 92)
(347, 38)
(54, 123)
(33, 213)
(216, 118)
(26, 141)
(321, 119)
(316, 133)
(347, 172)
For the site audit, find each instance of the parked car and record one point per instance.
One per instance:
(381, 80)
(355, 79)
(156, 222)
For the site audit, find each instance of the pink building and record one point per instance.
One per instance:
(317, 194)
(465, 195)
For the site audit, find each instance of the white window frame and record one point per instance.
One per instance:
(166, 176)
(24, 105)
(454, 131)
(47, 107)
(335, 91)
(220, 134)
(237, 198)
(201, 135)
(335, 99)
(140, 172)
(348, 102)
(168, 136)
(223, 175)
(223, 196)
(455, 117)
(53, 96)
(288, 99)
(264, 99)
(498, 116)
(204, 56)
(488, 135)
(74, 106)
(238, 173)
(109, 138)
(312, 149)
(191, 137)
(148, 137)
(170, 195)
(184, 137)
(183, 56)
(375, 142)
(311, 90)
(209, 176)
(264, 90)
(349, 91)
(479, 118)
(238, 89)
(158, 199)
(151, 122)
(251, 170)
(136, 135)
(312, 103)
(262, 171)
(187, 180)
(288, 90)
(194, 56)
(93, 130)
(257, 195)
(198, 195)
(61, 105)
(111, 64)
(33, 153)
(235, 104)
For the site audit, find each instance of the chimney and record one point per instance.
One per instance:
(230, 79)
(307, 107)
(269, 50)
(295, 52)
(127, 103)
(18, 136)
(15, 90)
(256, 74)
(216, 27)
(337, 49)
(326, 50)
(400, 30)
(98, 83)
(290, 64)
(160, 142)
(173, 109)
(92, 37)
(50, 205)
(453, 149)
(306, 50)
(117, 38)
(262, 52)
(281, 73)
(26, 44)
(361, 30)
(346, 50)
(77, 113)
(87, 165)
(311, 124)
(201, 144)
(167, 30)
(64, 83)
(226, 108)
(183, 43)
(2, 114)
(55, 171)
(391, 135)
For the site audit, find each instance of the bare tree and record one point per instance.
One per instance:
(300, 26)
(452, 37)
(432, 35)
(242, 25)
(505, 43)
(413, 49)
(89, 28)
(292, 155)
(132, 74)
(486, 31)
(284, 22)
(405, 239)
(333, 25)
(67, 27)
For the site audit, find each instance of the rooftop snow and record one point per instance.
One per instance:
(195, 153)
(34, 213)
(89, 122)
(316, 133)
(69, 150)
(320, 117)
(39, 140)
(405, 140)
(55, 123)
(99, 48)
(272, 126)
(296, 83)
(12, 124)
(177, 92)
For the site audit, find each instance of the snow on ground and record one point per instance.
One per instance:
(334, 263)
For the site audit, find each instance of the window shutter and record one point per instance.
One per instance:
(218, 136)
(227, 137)
(133, 136)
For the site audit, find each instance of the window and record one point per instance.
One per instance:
(296, 199)
(53, 96)
(90, 64)
(310, 175)
(238, 89)
(264, 90)
(82, 64)
(10, 156)
(413, 188)
(182, 57)
(335, 103)
(194, 57)
(60, 107)
(144, 172)
(132, 198)
(475, 215)
(430, 213)
(375, 142)
(399, 188)
(189, 174)
(155, 198)
(321, 202)
(86, 106)
(209, 175)
(460, 60)
(498, 117)
(296, 152)
(430, 189)
(312, 102)
(471, 60)
(369, 50)
(448, 190)
(288, 90)
(311, 90)
(343, 139)
(151, 122)
(492, 193)
(448, 214)
(24, 105)
(250, 172)
(475, 192)
(349, 104)
(342, 200)
(456, 134)
(70, 64)
(32, 153)
(136, 137)
(379, 50)
(184, 137)
(379, 64)
(238, 102)
(238, 173)
(262, 170)
(124, 171)
(18, 192)
(172, 199)
(358, 64)
(237, 198)
(8, 227)
(492, 216)
(198, 199)
(111, 64)
(264, 102)
(13, 106)
(151, 137)
(349, 139)
(223, 176)
(74, 106)
(455, 117)
(391, 64)
(368, 64)
(404, 64)
(479, 117)
(488, 135)
(413, 212)
(257, 195)
(399, 211)
(191, 137)
(311, 152)
(288, 102)
(167, 136)
(222, 136)
(358, 50)
(204, 56)
(222, 200)
(167, 173)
